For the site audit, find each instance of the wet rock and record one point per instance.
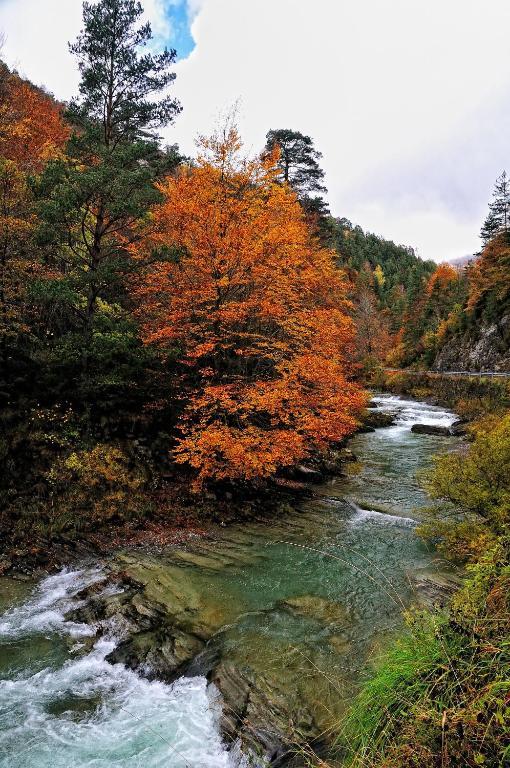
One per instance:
(374, 419)
(458, 428)
(162, 653)
(431, 429)
(378, 419)
(258, 716)
(74, 707)
(4, 566)
(331, 463)
(435, 590)
(153, 642)
(318, 608)
(308, 474)
(348, 455)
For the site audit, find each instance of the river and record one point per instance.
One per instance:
(303, 603)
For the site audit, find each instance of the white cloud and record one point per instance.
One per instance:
(156, 13)
(36, 35)
(405, 98)
(383, 86)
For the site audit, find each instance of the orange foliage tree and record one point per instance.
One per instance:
(31, 132)
(427, 323)
(257, 311)
(489, 279)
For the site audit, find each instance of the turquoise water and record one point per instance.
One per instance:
(305, 602)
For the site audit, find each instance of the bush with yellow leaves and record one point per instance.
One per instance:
(91, 486)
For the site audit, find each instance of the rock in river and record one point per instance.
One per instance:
(373, 420)
(318, 608)
(431, 429)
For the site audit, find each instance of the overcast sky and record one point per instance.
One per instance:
(408, 100)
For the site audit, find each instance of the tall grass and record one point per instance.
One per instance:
(440, 698)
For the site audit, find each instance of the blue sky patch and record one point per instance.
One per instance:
(180, 22)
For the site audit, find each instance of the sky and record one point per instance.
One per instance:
(406, 99)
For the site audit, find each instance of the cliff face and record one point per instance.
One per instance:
(487, 349)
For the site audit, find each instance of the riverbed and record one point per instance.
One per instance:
(299, 607)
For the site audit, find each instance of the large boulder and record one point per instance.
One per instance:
(308, 474)
(458, 427)
(431, 429)
(373, 419)
(434, 590)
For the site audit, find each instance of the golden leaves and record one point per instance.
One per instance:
(259, 311)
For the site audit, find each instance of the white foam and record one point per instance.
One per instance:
(409, 412)
(45, 610)
(365, 515)
(129, 721)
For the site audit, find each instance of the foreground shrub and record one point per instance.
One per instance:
(472, 487)
(92, 486)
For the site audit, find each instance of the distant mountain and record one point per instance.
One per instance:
(462, 261)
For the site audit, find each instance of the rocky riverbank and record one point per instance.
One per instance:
(272, 620)
(177, 514)
(166, 635)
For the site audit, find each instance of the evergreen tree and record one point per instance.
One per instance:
(94, 199)
(399, 273)
(299, 163)
(498, 218)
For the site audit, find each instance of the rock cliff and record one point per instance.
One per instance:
(487, 348)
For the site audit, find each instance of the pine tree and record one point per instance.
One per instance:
(95, 197)
(498, 218)
(299, 164)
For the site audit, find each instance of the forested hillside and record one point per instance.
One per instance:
(461, 321)
(388, 282)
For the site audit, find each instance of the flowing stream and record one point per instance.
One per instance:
(305, 601)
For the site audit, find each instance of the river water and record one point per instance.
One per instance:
(305, 602)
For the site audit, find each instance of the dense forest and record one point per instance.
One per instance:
(182, 337)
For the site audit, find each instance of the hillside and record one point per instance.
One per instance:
(481, 339)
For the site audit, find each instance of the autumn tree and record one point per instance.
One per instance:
(32, 132)
(427, 322)
(373, 337)
(257, 311)
(489, 281)
(444, 289)
(15, 229)
(94, 200)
